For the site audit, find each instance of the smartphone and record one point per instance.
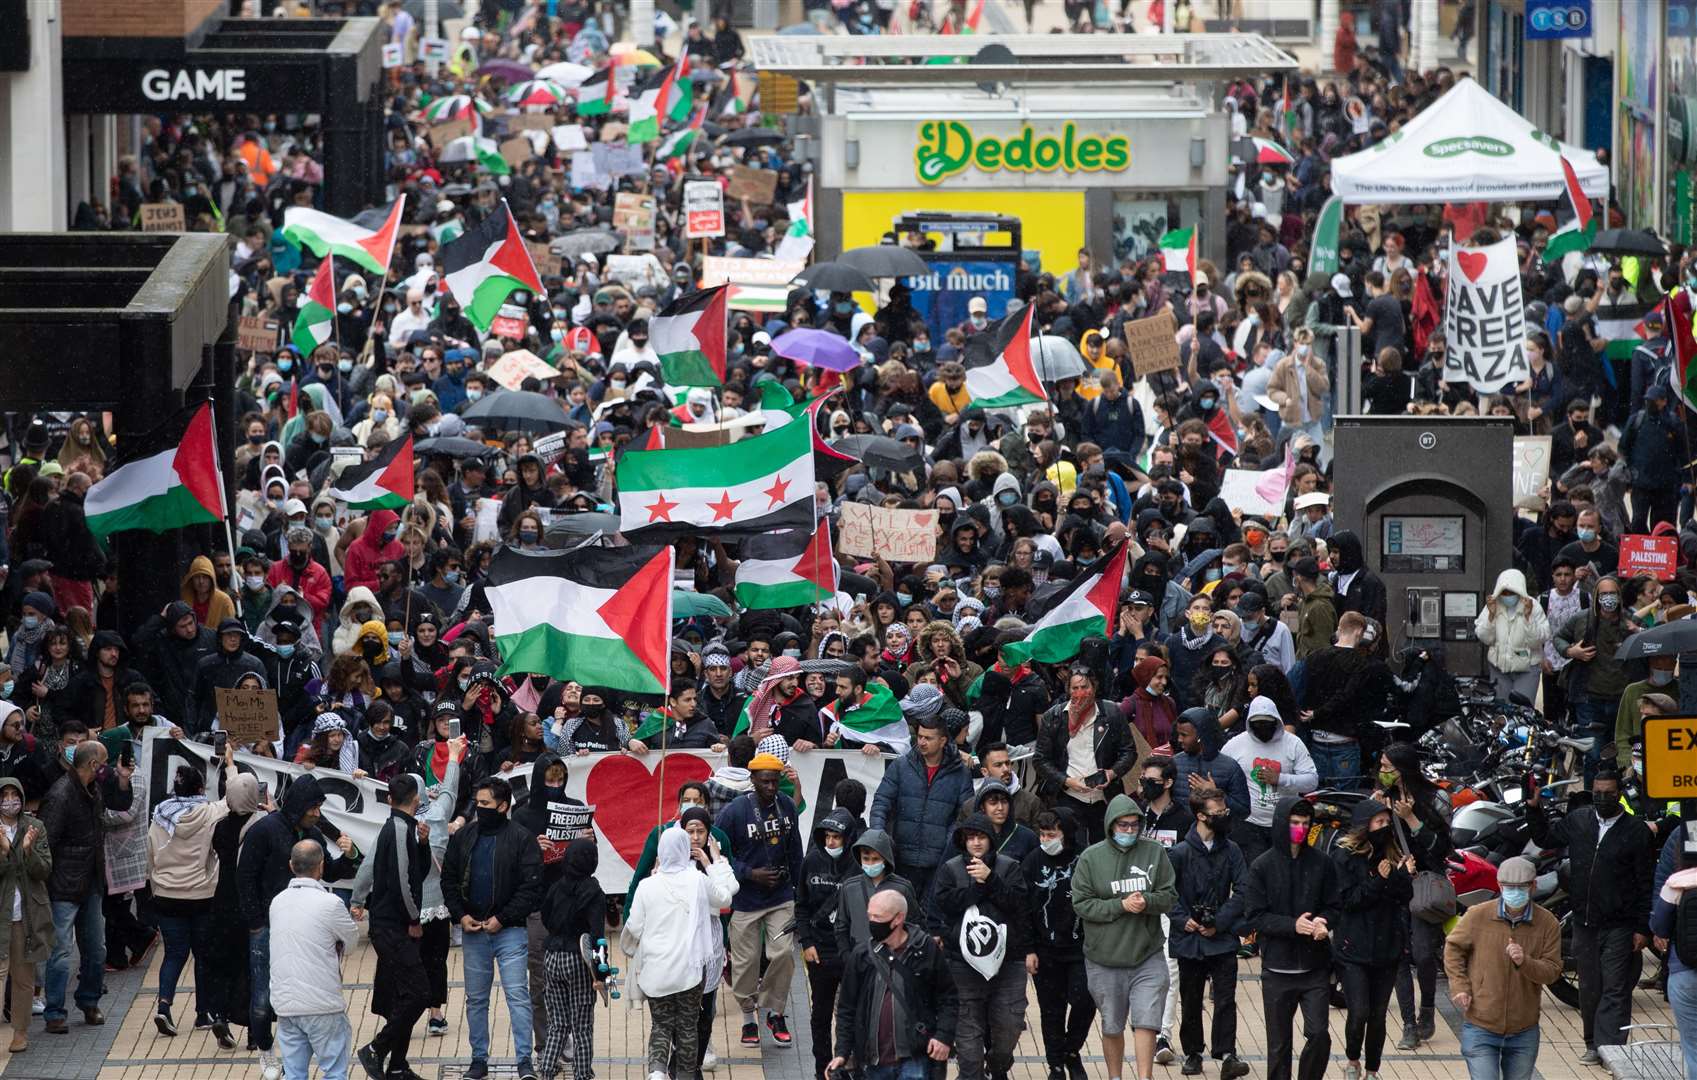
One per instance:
(127, 757)
(220, 739)
(454, 727)
(1099, 778)
(264, 793)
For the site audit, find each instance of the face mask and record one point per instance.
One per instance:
(379, 415)
(255, 582)
(833, 850)
(872, 870)
(31, 622)
(1298, 833)
(557, 334)
(1379, 837)
(618, 384)
(1659, 677)
(1264, 729)
(1221, 824)
(878, 931)
(1387, 780)
(992, 592)
(979, 321)
(1510, 603)
(320, 439)
(473, 394)
(793, 653)
(390, 306)
(345, 366)
(592, 711)
(285, 651)
(1609, 601)
(1303, 350)
(1587, 535)
(285, 365)
(1152, 790)
(1607, 805)
(921, 346)
(396, 637)
(528, 536)
(1277, 556)
(70, 752)
(904, 599)
(11, 807)
(1124, 840)
(465, 684)
(297, 559)
(1199, 619)
(345, 308)
(489, 818)
(256, 439)
(452, 577)
(1516, 897)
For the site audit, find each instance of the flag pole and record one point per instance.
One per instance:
(229, 532)
(383, 287)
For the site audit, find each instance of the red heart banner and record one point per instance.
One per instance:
(617, 780)
(1472, 263)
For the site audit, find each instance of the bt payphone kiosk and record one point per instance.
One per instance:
(1432, 499)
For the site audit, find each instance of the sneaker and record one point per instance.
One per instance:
(658, 1075)
(1192, 1065)
(221, 1032)
(202, 1021)
(1427, 1026)
(371, 1061)
(775, 1024)
(438, 1025)
(270, 1066)
(38, 1006)
(1410, 1038)
(477, 1070)
(403, 1073)
(709, 1061)
(1233, 1067)
(751, 1034)
(1352, 1071)
(1163, 1050)
(1075, 1067)
(162, 1020)
(526, 1072)
(1057, 1072)
(1590, 1057)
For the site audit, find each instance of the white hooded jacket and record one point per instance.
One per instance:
(1514, 642)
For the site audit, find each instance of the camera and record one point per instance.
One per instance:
(1204, 914)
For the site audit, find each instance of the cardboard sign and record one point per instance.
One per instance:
(248, 715)
(1531, 464)
(758, 186)
(547, 263)
(550, 448)
(567, 822)
(618, 159)
(530, 122)
(256, 333)
(719, 269)
(1485, 318)
(516, 150)
(510, 322)
(1261, 493)
(569, 138)
(433, 48)
(394, 54)
(901, 536)
(161, 217)
(1153, 344)
(633, 216)
(1654, 555)
(448, 130)
(704, 209)
(586, 175)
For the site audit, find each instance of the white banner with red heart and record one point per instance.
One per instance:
(1485, 318)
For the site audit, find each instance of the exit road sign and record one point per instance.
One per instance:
(1670, 757)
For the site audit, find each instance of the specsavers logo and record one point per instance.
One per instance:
(948, 147)
(1478, 144)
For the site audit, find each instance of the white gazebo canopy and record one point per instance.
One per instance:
(1466, 147)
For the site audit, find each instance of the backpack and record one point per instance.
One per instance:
(1685, 929)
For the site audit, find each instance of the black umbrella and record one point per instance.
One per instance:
(517, 410)
(753, 136)
(1628, 242)
(453, 446)
(445, 9)
(1668, 639)
(885, 260)
(835, 277)
(881, 452)
(567, 529)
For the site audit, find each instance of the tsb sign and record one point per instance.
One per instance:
(224, 84)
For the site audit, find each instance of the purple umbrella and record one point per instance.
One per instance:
(510, 70)
(818, 348)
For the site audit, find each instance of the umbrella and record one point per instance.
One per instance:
(465, 148)
(454, 446)
(1056, 358)
(817, 348)
(754, 136)
(517, 410)
(564, 528)
(1628, 242)
(565, 73)
(592, 241)
(451, 191)
(513, 368)
(454, 106)
(1268, 152)
(630, 56)
(880, 452)
(1668, 639)
(835, 277)
(687, 603)
(510, 70)
(445, 9)
(539, 92)
(884, 260)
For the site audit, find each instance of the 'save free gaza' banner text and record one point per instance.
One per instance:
(630, 794)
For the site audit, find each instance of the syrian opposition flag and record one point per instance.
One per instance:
(385, 481)
(1178, 250)
(689, 336)
(744, 488)
(168, 478)
(679, 141)
(601, 616)
(486, 264)
(876, 718)
(1578, 233)
(598, 95)
(1088, 606)
(324, 236)
(787, 569)
(317, 318)
(1677, 318)
(1007, 377)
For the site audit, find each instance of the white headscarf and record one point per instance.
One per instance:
(673, 857)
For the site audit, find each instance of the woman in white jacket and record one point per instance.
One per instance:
(1513, 629)
(674, 926)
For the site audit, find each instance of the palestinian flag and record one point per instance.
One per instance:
(598, 94)
(1220, 429)
(169, 478)
(680, 100)
(734, 104)
(317, 319)
(689, 335)
(975, 17)
(1088, 606)
(1268, 152)
(1678, 317)
(876, 719)
(652, 105)
(679, 141)
(1178, 249)
(1288, 118)
(486, 264)
(385, 481)
(801, 213)
(1578, 233)
(324, 236)
(745, 488)
(788, 569)
(1005, 378)
(601, 616)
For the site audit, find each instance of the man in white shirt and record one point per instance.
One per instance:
(408, 322)
(310, 933)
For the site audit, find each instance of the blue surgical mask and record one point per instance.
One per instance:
(1516, 897)
(6, 690)
(396, 637)
(452, 577)
(70, 754)
(324, 522)
(285, 364)
(31, 622)
(473, 394)
(465, 684)
(285, 651)
(379, 415)
(320, 439)
(345, 308)
(904, 599)
(1510, 602)
(872, 869)
(1587, 535)
(1125, 840)
(344, 366)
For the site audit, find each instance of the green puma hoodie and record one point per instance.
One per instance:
(1105, 875)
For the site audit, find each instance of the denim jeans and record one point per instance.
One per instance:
(183, 934)
(77, 925)
(1595, 717)
(1339, 764)
(1499, 1057)
(1682, 995)
(327, 1035)
(911, 1069)
(510, 949)
(259, 987)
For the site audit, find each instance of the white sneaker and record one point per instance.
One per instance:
(658, 1074)
(710, 1061)
(38, 1006)
(270, 1066)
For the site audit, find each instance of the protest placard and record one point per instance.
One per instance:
(550, 448)
(248, 715)
(256, 333)
(704, 209)
(161, 217)
(758, 186)
(1485, 317)
(719, 269)
(531, 122)
(1257, 492)
(394, 54)
(569, 138)
(516, 150)
(897, 535)
(453, 128)
(633, 215)
(509, 322)
(618, 159)
(547, 263)
(1655, 555)
(1153, 344)
(587, 173)
(1531, 464)
(568, 822)
(433, 48)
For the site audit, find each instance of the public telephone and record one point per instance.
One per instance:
(1440, 614)
(1425, 613)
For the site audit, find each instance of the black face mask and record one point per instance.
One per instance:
(489, 818)
(1607, 805)
(1379, 837)
(1264, 729)
(592, 712)
(879, 930)
(298, 559)
(1220, 823)
(1152, 790)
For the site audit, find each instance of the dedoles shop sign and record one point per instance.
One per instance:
(946, 148)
